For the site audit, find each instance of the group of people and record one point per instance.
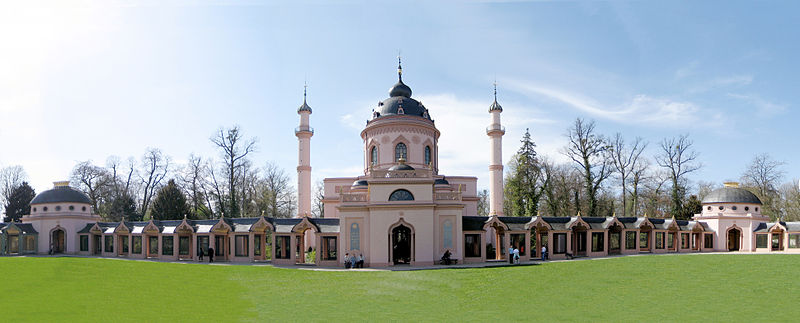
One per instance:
(351, 261)
(200, 254)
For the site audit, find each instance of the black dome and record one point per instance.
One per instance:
(441, 181)
(391, 106)
(731, 195)
(61, 194)
(360, 183)
(400, 89)
(401, 167)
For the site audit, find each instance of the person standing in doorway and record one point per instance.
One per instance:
(544, 253)
(210, 254)
(510, 254)
(200, 254)
(516, 255)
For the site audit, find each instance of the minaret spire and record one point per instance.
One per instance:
(399, 67)
(304, 132)
(495, 131)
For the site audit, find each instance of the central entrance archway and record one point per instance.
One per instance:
(401, 245)
(734, 236)
(57, 241)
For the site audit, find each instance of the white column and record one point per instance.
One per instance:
(495, 131)
(304, 133)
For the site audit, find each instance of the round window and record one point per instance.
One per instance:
(721, 207)
(734, 207)
(58, 207)
(34, 209)
(756, 209)
(747, 208)
(83, 209)
(71, 207)
(709, 208)
(44, 209)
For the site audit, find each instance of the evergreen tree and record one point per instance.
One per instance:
(692, 206)
(123, 208)
(170, 203)
(526, 184)
(19, 202)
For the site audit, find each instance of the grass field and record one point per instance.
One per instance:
(648, 288)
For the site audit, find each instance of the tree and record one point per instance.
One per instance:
(90, 179)
(18, 202)
(763, 176)
(193, 180)
(483, 202)
(590, 152)
(275, 195)
(790, 201)
(155, 166)
(626, 159)
(318, 209)
(638, 174)
(692, 206)
(678, 157)
(11, 177)
(123, 208)
(525, 186)
(169, 203)
(234, 150)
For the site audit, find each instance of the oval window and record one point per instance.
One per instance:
(747, 208)
(733, 207)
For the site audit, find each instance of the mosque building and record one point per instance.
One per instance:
(399, 211)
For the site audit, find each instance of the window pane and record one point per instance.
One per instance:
(630, 240)
(153, 245)
(124, 240)
(84, 243)
(794, 241)
(355, 237)
(167, 246)
(761, 240)
(597, 242)
(374, 156)
(400, 151)
(241, 245)
(447, 234)
(137, 244)
(183, 245)
(109, 243)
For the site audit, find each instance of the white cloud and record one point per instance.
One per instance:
(641, 108)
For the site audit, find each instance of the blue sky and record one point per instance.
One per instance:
(86, 80)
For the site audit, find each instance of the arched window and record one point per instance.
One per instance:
(400, 151)
(427, 155)
(401, 195)
(373, 156)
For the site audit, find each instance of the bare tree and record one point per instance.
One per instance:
(590, 152)
(483, 202)
(155, 166)
(276, 195)
(90, 179)
(678, 157)
(235, 149)
(638, 174)
(318, 210)
(790, 201)
(763, 175)
(704, 187)
(625, 159)
(11, 177)
(192, 179)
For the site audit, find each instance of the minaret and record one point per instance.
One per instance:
(496, 132)
(304, 133)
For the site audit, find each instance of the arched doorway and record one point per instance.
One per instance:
(57, 241)
(734, 237)
(401, 245)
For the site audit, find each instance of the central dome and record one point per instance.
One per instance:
(61, 193)
(400, 101)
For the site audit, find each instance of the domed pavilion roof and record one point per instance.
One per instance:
(731, 193)
(400, 101)
(61, 193)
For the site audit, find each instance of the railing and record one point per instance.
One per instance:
(447, 196)
(353, 197)
(304, 129)
(495, 127)
(417, 173)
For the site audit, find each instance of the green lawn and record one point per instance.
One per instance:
(647, 288)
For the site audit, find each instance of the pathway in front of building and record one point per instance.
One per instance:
(490, 264)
